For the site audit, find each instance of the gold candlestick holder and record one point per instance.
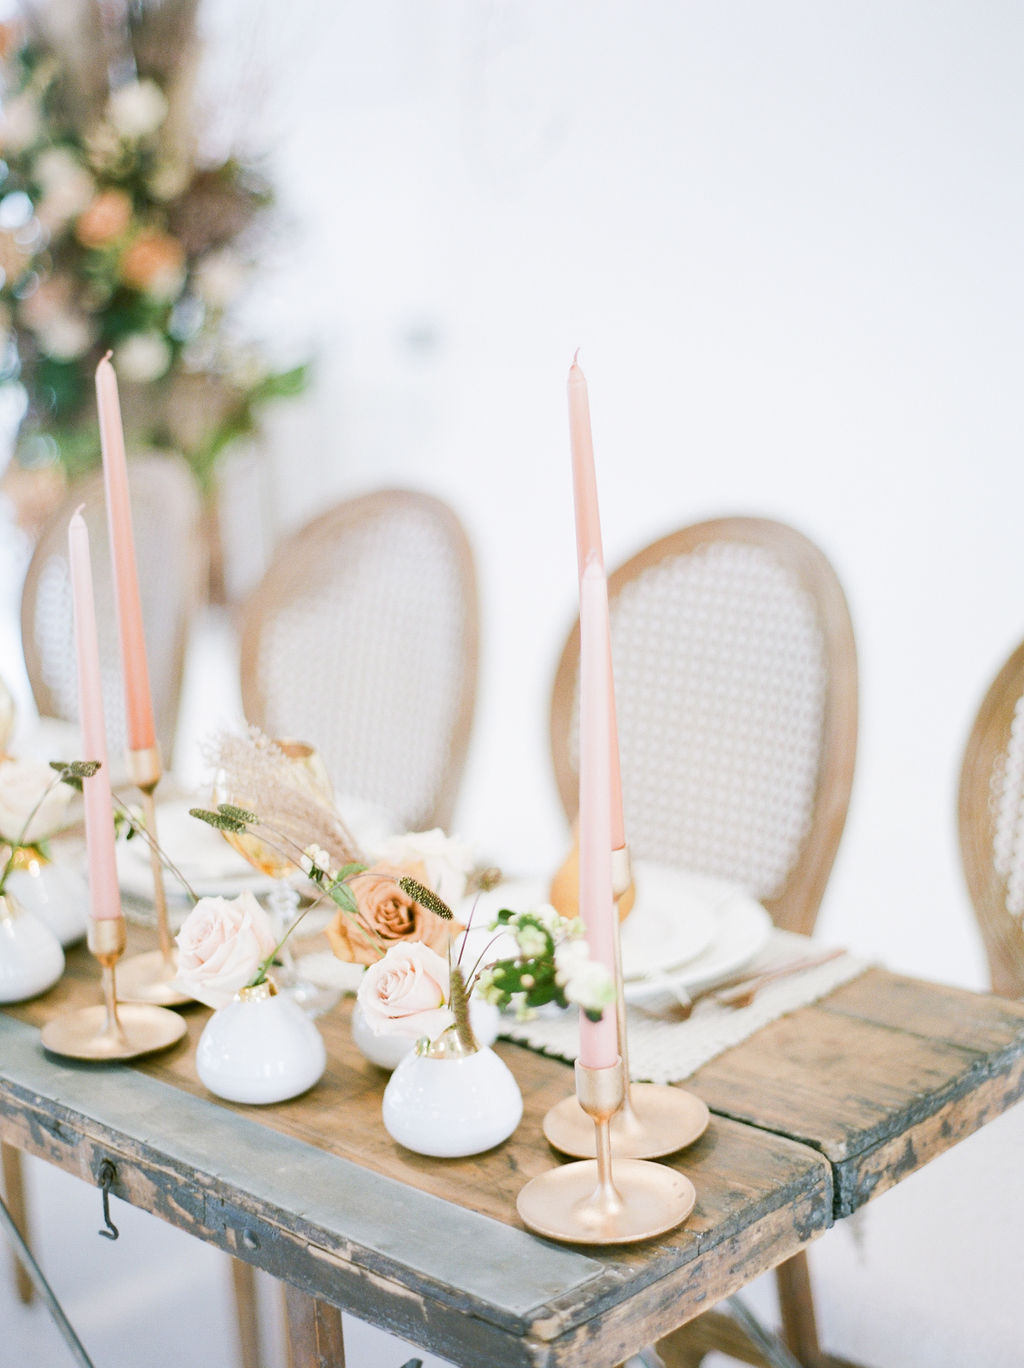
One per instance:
(587, 1202)
(111, 1030)
(654, 1119)
(149, 977)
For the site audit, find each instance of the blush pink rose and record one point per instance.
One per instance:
(405, 992)
(221, 945)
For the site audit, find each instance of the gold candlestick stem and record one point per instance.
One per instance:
(112, 1030)
(654, 1119)
(159, 892)
(601, 1202)
(149, 977)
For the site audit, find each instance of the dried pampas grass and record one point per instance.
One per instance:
(254, 772)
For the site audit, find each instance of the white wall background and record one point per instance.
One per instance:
(787, 238)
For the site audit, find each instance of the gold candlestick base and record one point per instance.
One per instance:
(572, 1205)
(588, 1203)
(111, 1030)
(149, 978)
(659, 1121)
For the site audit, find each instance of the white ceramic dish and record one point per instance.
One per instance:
(685, 929)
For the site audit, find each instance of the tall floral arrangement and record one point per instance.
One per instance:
(116, 234)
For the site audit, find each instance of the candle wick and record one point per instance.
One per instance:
(576, 357)
(108, 356)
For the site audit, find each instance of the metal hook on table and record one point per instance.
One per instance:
(108, 1174)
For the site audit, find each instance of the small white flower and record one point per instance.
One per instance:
(590, 986)
(532, 941)
(447, 860)
(219, 278)
(20, 123)
(65, 337)
(142, 357)
(316, 855)
(67, 188)
(137, 109)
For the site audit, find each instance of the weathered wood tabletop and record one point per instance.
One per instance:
(816, 1114)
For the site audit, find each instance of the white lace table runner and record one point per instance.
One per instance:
(665, 1051)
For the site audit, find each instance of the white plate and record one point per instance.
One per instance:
(684, 928)
(212, 867)
(671, 922)
(742, 928)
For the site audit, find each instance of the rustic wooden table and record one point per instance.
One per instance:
(812, 1117)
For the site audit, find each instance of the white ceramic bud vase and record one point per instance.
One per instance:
(31, 958)
(56, 894)
(447, 1106)
(260, 1048)
(388, 1049)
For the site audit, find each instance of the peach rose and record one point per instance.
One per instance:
(154, 262)
(106, 218)
(386, 914)
(221, 945)
(405, 992)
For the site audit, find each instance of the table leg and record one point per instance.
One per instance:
(243, 1279)
(314, 1332)
(796, 1308)
(14, 1190)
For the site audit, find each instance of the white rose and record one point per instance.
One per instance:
(221, 944)
(448, 861)
(137, 109)
(405, 992)
(22, 784)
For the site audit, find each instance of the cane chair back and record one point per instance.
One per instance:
(362, 639)
(736, 698)
(991, 821)
(171, 557)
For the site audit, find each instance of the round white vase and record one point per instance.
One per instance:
(31, 958)
(260, 1048)
(56, 894)
(388, 1049)
(449, 1107)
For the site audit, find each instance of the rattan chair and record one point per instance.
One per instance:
(362, 639)
(736, 697)
(170, 552)
(991, 822)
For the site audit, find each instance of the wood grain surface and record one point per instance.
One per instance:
(813, 1116)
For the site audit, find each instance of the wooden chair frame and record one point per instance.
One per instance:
(329, 526)
(1001, 932)
(795, 906)
(89, 490)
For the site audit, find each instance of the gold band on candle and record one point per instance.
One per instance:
(622, 872)
(107, 938)
(145, 768)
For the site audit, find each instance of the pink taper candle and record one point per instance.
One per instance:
(99, 808)
(588, 544)
(137, 698)
(599, 1040)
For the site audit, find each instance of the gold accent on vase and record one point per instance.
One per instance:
(258, 992)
